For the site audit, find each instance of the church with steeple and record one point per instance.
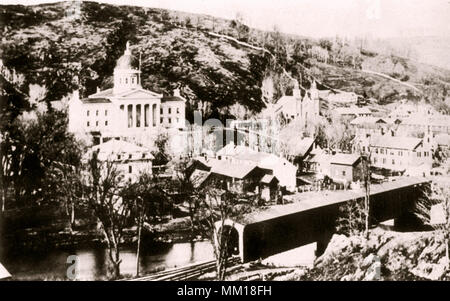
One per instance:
(126, 109)
(295, 107)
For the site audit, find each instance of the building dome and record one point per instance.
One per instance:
(127, 61)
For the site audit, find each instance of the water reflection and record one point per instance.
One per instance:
(92, 263)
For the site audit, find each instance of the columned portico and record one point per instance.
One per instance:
(127, 110)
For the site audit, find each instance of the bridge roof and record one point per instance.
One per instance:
(315, 199)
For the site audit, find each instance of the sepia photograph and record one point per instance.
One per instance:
(224, 141)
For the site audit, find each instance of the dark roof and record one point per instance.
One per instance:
(198, 177)
(95, 100)
(267, 179)
(172, 98)
(344, 159)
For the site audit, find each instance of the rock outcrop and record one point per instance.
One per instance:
(386, 255)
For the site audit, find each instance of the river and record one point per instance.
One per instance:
(92, 262)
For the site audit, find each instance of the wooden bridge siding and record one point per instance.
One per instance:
(287, 232)
(266, 238)
(394, 204)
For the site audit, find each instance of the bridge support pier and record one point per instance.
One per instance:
(322, 244)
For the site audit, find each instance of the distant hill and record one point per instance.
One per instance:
(61, 51)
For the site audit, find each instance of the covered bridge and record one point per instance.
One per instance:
(312, 217)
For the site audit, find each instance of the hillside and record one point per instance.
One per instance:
(59, 51)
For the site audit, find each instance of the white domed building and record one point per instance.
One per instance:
(126, 110)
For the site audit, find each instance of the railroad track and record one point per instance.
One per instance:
(187, 272)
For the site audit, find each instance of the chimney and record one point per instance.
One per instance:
(98, 89)
(176, 92)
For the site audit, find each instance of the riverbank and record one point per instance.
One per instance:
(61, 236)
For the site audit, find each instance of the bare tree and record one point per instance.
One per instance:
(187, 190)
(145, 195)
(351, 220)
(355, 214)
(102, 194)
(217, 206)
(437, 196)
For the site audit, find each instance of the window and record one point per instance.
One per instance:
(393, 162)
(130, 156)
(106, 122)
(118, 157)
(96, 123)
(170, 120)
(88, 123)
(106, 112)
(419, 154)
(130, 169)
(364, 148)
(178, 120)
(87, 112)
(96, 113)
(126, 80)
(400, 153)
(143, 156)
(343, 172)
(161, 111)
(382, 151)
(170, 110)
(132, 80)
(161, 120)
(384, 160)
(376, 150)
(178, 110)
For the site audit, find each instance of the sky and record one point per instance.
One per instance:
(318, 18)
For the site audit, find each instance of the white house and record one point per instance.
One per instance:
(126, 110)
(130, 159)
(397, 153)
